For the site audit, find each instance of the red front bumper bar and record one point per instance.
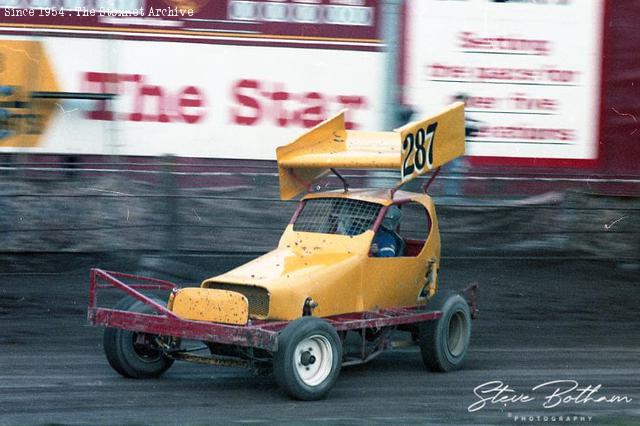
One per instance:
(257, 334)
(166, 322)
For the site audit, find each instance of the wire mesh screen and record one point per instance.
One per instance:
(336, 216)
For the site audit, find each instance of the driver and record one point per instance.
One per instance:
(386, 243)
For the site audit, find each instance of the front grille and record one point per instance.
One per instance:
(258, 297)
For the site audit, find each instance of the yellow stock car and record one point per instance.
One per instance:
(354, 271)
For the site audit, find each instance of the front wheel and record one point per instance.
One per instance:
(444, 342)
(308, 359)
(134, 354)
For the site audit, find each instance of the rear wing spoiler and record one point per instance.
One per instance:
(415, 148)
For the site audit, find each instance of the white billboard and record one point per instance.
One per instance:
(200, 100)
(528, 71)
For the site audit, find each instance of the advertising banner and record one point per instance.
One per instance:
(203, 78)
(528, 71)
(187, 99)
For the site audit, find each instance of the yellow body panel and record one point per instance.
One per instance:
(336, 270)
(203, 304)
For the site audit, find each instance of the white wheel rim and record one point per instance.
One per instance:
(456, 335)
(313, 360)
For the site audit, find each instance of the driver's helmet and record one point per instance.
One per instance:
(392, 218)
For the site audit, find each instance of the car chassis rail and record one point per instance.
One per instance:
(256, 334)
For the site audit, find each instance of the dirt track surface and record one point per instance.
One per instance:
(540, 321)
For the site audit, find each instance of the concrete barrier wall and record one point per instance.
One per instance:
(216, 213)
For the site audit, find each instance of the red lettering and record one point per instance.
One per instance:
(249, 111)
(448, 71)
(150, 103)
(150, 92)
(99, 82)
(256, 101)
(189, 100)
(469, 40)
(128, 85)
(443, 71)
(314, 114)
(279, 98)
(526, 133)
(482, 102)
(523, 102)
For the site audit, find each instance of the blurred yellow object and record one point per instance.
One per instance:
(24, 69)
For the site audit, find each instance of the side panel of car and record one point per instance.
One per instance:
(400, 281)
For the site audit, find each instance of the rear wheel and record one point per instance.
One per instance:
(444, 342)
(134, 354)
(308, 359)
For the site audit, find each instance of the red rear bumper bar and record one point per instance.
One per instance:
(258, 334)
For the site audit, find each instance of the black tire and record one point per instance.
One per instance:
(322, 359)
(444, 342)
(126, 357)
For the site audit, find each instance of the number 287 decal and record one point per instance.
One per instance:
(417, 151)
